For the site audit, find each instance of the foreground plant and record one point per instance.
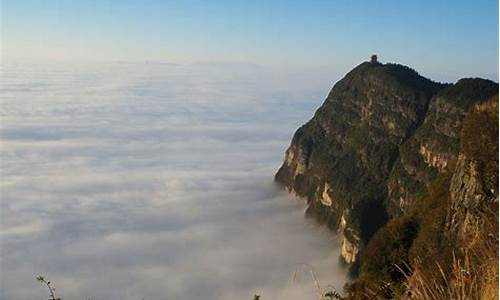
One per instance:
(52, 290)
(324, 293)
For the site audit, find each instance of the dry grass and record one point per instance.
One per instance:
(323, 292)
(484, 247)
(473, 275)
(461, 284)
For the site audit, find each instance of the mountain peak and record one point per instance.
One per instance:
(382, 135)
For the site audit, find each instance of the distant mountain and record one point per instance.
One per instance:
(370, 159)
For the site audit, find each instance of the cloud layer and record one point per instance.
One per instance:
(131, 181)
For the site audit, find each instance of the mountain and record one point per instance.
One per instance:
(436, 143)
(380, 155)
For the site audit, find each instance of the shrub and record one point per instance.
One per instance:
(388, 248)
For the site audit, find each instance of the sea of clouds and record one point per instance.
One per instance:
(155, 181)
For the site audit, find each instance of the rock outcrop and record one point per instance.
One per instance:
(473, 186)
(341, 159)
(435, 144)
(382, 135)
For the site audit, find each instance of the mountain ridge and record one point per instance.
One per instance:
(382, 137)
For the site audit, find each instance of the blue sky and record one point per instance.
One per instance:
(447, 39)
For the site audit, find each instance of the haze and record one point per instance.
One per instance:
(443, 40)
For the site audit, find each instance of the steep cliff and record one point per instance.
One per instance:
(445, 245)
(377, 144)
(474, 184)
(341, 159)
(435, 143)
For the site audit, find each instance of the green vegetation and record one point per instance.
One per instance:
(479, 141)
(415, 253)
(469, 91)
(430, 211)
(388, 143)
(353, 141)
(389, 248)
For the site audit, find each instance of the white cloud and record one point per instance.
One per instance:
(126, 181)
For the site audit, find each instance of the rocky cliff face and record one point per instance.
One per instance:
(473, 187)
(453, 221)
(435, 143)
(381, 136)
(341, 159)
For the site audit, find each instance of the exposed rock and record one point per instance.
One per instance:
(325, 197)
(296, 160)
(380, 138)
(343, 222)
(349, 250)
(436, 160)
(343, 156)
(467, 196)
(435, 144)
(473, 187)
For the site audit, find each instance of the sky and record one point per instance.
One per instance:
(445, 40)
